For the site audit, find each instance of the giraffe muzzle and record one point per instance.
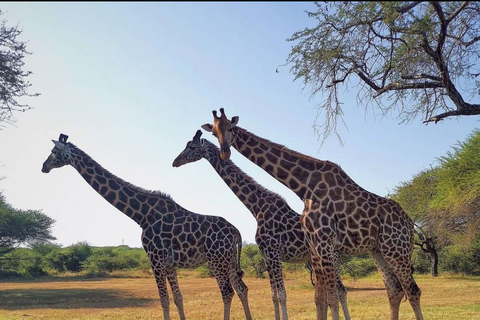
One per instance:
(177, 163)
(45, 169)
(225, 154)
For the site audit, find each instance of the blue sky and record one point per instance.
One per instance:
(131, 82)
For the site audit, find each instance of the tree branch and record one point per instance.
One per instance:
(367, 80)
(404, 86)
(454, 14)
(443, 27)
(470, 111)
(422, 76)
(408, 7)
(469, 43)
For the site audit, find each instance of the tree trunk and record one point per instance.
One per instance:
(434, 268)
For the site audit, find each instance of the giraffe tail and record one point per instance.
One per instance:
(239, 254)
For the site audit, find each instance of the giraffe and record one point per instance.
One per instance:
(279, 233)
(172, 236)
(338, 215)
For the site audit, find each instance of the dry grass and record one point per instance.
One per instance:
(137, 298)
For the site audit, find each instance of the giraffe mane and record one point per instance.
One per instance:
(241, 172)
(285, 149)
(136, 188)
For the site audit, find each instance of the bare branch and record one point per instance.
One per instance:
(407, 86)
(422, 76)
(474, 110)
(454, 14)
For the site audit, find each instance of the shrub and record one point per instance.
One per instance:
(22, 262)
(357, 266)
(461, 259)
(252, 261)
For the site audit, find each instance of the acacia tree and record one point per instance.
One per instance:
(20, 227)
(413, 58)
(415, 197)
(458, 197)
(13, 83)
(444, 202)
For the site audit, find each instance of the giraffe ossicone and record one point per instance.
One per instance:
(339, 215)
(172, 236)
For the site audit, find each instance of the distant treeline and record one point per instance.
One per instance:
(84, 259)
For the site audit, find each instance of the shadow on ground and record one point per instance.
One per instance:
(365, 289)
(18, 299)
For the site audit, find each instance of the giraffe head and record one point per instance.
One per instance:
(60, 155)
(222, 129)
(194, 151)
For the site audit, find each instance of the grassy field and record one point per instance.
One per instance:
(137, 298)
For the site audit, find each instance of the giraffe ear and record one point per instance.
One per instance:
(207, 127)
(59, 145)
(234, 121)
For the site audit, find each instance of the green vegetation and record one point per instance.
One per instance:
(84, 260)
(22, 227)
(444, 202)
(79, 258)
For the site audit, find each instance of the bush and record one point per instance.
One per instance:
(461, 259)
(22, 262)
(357, 266)
(252, 261)
(70, 258)
(422, 263)
(108, 259)
(205, 271)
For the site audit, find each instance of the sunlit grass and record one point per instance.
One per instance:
(446, 297)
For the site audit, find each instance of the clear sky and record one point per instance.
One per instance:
(131, 82)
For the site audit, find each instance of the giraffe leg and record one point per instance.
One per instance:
(392, 284)
(222, 275)
(160, 276)
(329, 271)
(320, 295)
(177, 295)
(320, 289)
(404, 274)
(342, 297)
(279, 295)
(402, 268)
(241, 289)
(342, 291)
(326, 271)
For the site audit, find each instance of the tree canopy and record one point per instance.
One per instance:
(13, 83)
(444, 202)
(418, 59)
(458, 198)
(22, 227)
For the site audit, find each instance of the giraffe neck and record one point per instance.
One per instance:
(126, 197)
(302, 174)
(250, 193)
